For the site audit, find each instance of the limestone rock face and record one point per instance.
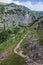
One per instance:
(16, 15)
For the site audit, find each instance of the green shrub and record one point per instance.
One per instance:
(40, 38)
(40, 41)
(16, 30)
(3, 36)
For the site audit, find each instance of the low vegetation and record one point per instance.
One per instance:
(38, 35)
(14, 60)
(40, 38)
(4, 35)
(10, 38)
(9, 45)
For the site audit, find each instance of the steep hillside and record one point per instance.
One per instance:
(16, 15)
(21, 36)
(33, 44)
(2, 3)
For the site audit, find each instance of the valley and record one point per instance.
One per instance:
(21, 36)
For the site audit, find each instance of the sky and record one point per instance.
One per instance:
(36, 5)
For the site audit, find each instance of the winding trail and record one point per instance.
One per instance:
(18, 45)
(20, 53)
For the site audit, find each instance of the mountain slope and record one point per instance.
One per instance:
(33, 44)
(39, 13)
(16, 15)
(2, 3)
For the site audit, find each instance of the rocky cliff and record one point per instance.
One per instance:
(17, 15)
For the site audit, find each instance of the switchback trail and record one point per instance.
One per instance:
(18, 45)
(20, 53)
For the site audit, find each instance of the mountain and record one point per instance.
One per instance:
(2, 3)
(16, 15)
(39, 13)
(20, 45)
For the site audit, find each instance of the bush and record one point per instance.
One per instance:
(10, 31)
(16, 30)
(4, 35)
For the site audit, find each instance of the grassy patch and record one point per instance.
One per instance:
(40, 38)
(10, 44)
(13, 60)
(32, 27)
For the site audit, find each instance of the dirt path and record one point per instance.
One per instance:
(6, 53)
(20, 53)
(18, 45)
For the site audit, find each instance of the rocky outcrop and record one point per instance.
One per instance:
(34, 52)
(15, 15)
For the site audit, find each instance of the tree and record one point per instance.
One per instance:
(4, 23)
(4, 35)
(2, 10)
